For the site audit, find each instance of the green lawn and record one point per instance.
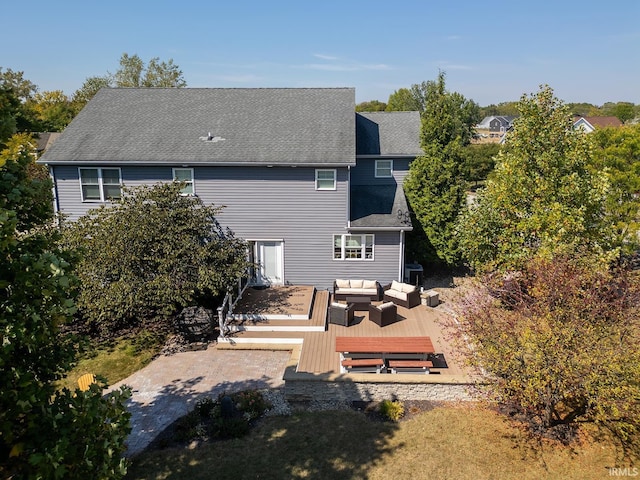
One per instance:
(463, 442)
(114, 361)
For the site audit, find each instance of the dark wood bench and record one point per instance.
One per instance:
(410, 366)
(363, 364)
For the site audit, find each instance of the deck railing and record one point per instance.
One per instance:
(228, 305)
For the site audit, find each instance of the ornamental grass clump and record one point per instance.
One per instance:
(392, 409)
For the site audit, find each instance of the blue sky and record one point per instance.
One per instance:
(587, 51)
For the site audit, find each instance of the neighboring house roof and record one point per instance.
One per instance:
(589, 124)
(45, 139)
(388, 133)
(220, 126)
(505, 120)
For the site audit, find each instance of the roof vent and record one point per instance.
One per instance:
(211, 139)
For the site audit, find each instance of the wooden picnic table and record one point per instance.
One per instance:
(382, 349)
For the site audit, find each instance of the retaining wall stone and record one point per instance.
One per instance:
(347, 391)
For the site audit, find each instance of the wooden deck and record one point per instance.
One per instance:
(318, 355)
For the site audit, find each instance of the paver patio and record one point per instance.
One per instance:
(170, 386)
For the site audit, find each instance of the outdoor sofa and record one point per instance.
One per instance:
(402, 294)
(344, 289)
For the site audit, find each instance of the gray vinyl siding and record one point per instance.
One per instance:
(364, 173)
(384, 267)
(261, 203)
(67, 182)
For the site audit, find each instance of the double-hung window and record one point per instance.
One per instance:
(353, 247)
(384, 168)
(184, 175)
(326, 179)
(100, 184)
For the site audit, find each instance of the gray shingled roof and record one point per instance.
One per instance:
(273, 126)
(388, 133)
(379, 206)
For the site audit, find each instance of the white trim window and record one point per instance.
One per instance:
(353, 247)
(185, 175)
(326, 179)
(384, 169)
(100, 184)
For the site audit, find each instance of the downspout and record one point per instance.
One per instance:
(401, 259)
(56, 207)
(348, 197)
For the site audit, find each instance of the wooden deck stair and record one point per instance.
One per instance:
(282, 331)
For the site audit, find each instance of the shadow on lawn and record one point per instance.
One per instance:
(340, 443)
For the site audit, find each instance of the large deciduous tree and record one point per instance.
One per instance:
(403, 100)
(44, 433)
(559, 344)
(149, 254)
(543, 198)
(435, 185)
(132, 72)
(618, 153)
(52, 109)
(15, 92)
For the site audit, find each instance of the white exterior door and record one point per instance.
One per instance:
(269, 259)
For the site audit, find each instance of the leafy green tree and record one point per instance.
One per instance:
(435, 190)
(502, 109)
(479, 161)
(15, 92)
(26, 194)
(44, 433)
(15, 81)
(435, 185)
(371, 106)
(89, 88)
(618, 153)
(52, 109)
(149, 254)
(9, 104)
(584, 109)
(447, 116)
(625, 111)
(403, 100)
(543, 197)
(559, 345)
(133, 73)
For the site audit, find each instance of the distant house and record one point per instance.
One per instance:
(589, 124)
(312, 186)
(494, 127)
(501, 124)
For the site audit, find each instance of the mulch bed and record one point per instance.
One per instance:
(168, 438)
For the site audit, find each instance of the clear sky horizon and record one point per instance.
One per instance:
(586, 51)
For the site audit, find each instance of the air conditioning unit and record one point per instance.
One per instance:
(413, 274)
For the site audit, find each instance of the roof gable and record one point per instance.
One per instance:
(276, 126)
(388, 133)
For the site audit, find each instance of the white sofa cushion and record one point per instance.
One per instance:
(386, 305)
(396, 294)
(370, 284)
(343, 283)
(406, 288)
(396, 286)
(356, 283)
